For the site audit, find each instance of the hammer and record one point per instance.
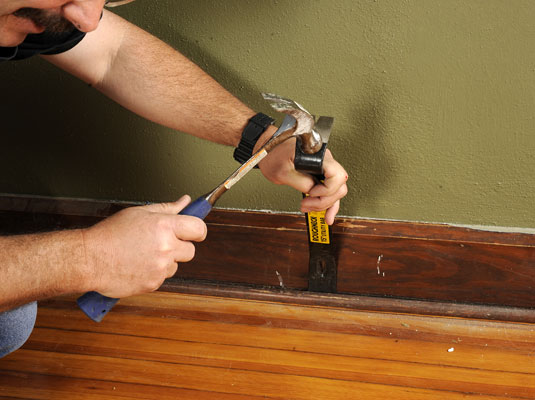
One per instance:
(312, 136)
(297, 123)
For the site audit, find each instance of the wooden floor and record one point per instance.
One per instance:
(173, 346)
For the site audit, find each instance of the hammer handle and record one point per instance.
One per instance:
(199, 208)
(96, 305)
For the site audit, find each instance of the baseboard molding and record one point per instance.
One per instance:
(399, 266)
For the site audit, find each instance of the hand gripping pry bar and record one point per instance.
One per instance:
(96, 306)
(309, 155)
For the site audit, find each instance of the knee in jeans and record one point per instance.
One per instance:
(16, 327)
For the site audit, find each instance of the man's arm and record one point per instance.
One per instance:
(129, 253)
(40, 266)
(150, 78)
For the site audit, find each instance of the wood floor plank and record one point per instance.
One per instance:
(399, 373)
(169, 345)
(37, 386)
(226, 380)
(326, 319)
(489, 354)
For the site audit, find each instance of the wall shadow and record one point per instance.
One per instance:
(371, 165)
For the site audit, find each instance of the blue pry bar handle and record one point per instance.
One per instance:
(96, 306)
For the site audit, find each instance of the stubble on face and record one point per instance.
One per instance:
(52, 22)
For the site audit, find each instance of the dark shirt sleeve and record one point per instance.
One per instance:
(42, 43)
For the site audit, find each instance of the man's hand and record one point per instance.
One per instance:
(135, 250)
(279, 168)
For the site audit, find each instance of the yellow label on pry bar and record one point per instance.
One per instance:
(318, 230)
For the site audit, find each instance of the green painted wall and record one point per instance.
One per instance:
(434, 106)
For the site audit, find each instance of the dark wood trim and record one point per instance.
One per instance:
(383, 262)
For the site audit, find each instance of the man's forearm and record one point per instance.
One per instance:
(174, 91)
(155, 81)
(39, 266)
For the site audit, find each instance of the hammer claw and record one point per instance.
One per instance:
(310, 140)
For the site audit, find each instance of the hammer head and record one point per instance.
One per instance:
(310, 140)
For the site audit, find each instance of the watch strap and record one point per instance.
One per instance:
(253, 130)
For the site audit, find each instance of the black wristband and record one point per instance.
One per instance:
(253, 130)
